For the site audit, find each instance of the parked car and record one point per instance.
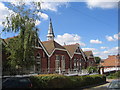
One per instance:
(17, 82)
(115, 84)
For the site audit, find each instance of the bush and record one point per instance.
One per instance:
(114, 75)
(92, 69)
(60, 81)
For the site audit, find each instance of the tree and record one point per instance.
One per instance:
(92, 69)
(98, 59)
(21, 48)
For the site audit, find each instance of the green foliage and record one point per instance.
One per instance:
(98, 59)
(21, 48)
(115, 75)
(92, 69)
(60, 81)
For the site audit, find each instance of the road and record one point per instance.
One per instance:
(100, 87)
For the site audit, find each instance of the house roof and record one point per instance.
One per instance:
(112, 60)
(7, 39)
(51, 45)
(88, 54)
(71, 48)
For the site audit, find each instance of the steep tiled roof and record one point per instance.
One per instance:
(51, 45)
(71, 48)
(6, 40)
(88, 54)
(112, 60)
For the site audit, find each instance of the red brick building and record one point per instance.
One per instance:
(51, 57)
(90, 59)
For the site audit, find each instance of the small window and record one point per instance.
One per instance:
(57, 57)
(63, 57)
(38, 55)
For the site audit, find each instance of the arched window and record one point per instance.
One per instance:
(63, 62)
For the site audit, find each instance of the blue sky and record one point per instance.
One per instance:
(93, 26)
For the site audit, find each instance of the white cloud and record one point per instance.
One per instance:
(4, 12)
(114, 37)
(104, 54)
(96, 41)
(117, 36)
(43, 15)
(103, 47)
(102, 4)
(110, 38)
(113, 50)
(37, 22)
(52, 6)
(95, 53)
(69, 39)
(88, 49)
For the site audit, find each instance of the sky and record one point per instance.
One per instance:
(94, 25)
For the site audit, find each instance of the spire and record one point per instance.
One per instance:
(50, 35)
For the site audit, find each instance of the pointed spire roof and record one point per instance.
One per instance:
(50, 35)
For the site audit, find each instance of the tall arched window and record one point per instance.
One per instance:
(63, 63)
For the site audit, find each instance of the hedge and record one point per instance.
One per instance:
(61, 81)
(115, 75)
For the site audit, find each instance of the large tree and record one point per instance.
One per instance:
(21, 48)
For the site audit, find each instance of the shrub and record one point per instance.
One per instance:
(92, 69)
(60, 81)
(114, 75)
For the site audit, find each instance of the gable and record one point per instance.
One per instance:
(51, 46)
(73, 49)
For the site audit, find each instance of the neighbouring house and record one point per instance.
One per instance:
(112, 63)
(51, 57)
(90, 58)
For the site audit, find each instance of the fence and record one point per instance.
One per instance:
(9, 71)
